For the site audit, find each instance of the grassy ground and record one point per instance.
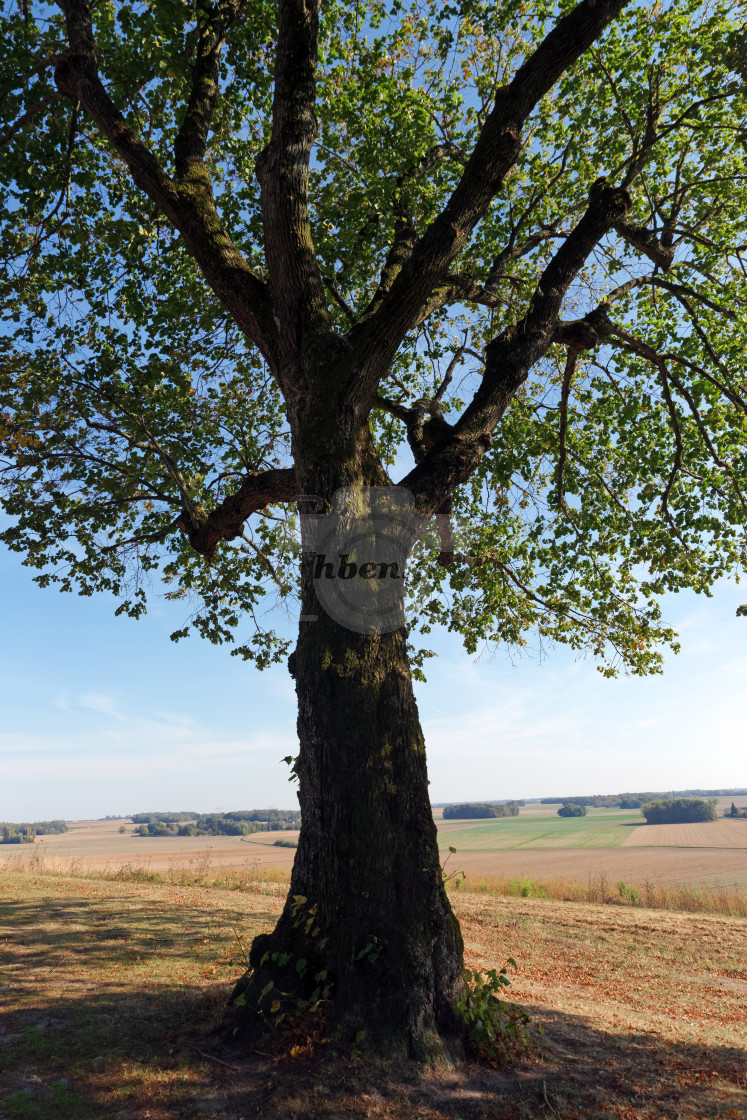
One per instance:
(601, 828)
(686, 898)
(112, 992)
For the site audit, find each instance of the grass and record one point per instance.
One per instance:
(199, 871)
(256, 878)
(687, 899)
(599, 829)
(112, 987)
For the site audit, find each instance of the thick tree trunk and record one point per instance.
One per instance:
(367, 902)
(367, 905)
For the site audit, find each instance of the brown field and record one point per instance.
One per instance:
(703, 834)
(98, 844)
(634, 865)
(112, 993)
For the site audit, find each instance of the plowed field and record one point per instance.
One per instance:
(704, 834)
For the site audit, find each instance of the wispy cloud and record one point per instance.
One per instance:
(100, 702)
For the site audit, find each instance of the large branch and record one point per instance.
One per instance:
(191, 139)
(283, 170)
(192, 212)
(495, 152)
(646, 241)
(510, 356)
(226, 522)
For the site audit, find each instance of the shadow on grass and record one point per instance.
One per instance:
(80, 1043)
(84, 928)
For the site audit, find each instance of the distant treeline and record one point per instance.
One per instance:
(26, 833)
(270, 815)
(477, 809)
(164, 818)
(679, 810)
(206, 825)
(605, 800)
(637, 800)
(241, 822)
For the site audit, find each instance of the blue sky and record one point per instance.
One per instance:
(106, 715)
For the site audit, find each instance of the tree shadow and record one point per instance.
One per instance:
(85, 929)
(78, 1043)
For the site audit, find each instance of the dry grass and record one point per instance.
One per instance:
(705, 899)
(255, 877)
(199, 871)
(113, 989)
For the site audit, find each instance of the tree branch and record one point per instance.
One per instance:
(265, 560)
(638, 346)
(27, 117)
(647, 242)
(191, 139)
(192, 213)
(570, 367)
(226, 522)
(399, 254)
(487, 295)
(510, 356)
(495, 152)
(295, 280)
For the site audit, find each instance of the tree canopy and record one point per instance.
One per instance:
(679, 810)
(143, 426)
(572, 810)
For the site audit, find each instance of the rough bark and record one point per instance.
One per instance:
(367, 866)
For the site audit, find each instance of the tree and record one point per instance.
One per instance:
(680, 810)
(572, 810)
(258, 257)
(479, 810)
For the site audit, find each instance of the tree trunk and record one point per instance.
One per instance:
(367, 902)
(367, 905)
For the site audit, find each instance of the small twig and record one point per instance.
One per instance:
(544, 1094)
(456, 359)
(212, 1058)
(265, 560)
(340, 300)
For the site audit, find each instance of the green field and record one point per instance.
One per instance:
(601, 828)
